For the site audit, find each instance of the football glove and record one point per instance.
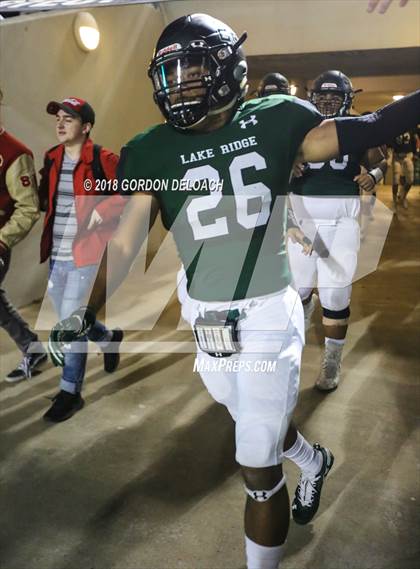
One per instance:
(71, 329)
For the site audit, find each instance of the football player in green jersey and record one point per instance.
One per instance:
(227, 170)
(326, 199)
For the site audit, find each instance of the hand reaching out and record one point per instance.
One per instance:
(383, 5)
(365, 180)
(298, 169)
(297, 236)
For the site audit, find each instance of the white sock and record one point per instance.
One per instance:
(334, 341)
(304, 456)
(262, 557)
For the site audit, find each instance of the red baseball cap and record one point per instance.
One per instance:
(73, 106)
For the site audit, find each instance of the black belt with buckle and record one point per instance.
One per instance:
(217, 333)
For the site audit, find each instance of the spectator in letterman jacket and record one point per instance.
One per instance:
(19, 210)
(78, 224)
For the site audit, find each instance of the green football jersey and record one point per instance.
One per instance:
(223, 194)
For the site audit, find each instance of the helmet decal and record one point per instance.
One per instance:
(329, 86)
(169, 49)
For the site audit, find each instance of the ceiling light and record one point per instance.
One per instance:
(293, 89)
(397, 97)
(86, 31)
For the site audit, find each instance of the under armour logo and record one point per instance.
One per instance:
(252, 120)
(260, 496)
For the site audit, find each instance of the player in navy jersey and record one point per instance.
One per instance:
(326, 201)
(403, 148)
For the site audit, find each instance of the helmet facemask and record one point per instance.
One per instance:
(182, 85)
(194, 82)
(331, 103)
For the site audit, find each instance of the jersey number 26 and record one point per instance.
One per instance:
(242, 194)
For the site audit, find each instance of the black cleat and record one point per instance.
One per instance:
(112, 353)
(308, 492)
(64, 406)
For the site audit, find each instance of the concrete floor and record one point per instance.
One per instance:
(144, 476)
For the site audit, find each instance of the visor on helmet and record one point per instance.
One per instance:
(183, 85)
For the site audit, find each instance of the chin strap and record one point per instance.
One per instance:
(220, 110)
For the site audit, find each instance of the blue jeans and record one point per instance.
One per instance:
(11, 320)
(68, 288)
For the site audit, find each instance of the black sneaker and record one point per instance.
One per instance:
(308, 491)
(112, 357)
(28, 364)
(64, 406)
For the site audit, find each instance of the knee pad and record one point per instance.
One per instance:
(264, 495)
(335, 317)
(336, 314)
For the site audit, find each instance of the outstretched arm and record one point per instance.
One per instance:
(351, 135)
(320, 144)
